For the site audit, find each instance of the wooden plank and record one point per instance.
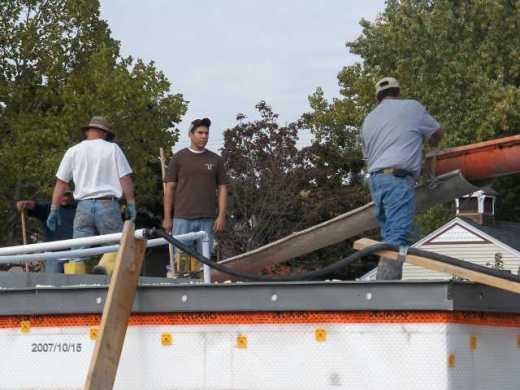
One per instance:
(434, 265)
(24, 233)
(162, 157)
(340, 228)
(117, 310)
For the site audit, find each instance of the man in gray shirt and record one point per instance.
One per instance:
(392, 137)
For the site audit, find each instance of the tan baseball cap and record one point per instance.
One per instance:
(385, 83)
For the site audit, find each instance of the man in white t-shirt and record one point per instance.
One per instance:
(101, 175)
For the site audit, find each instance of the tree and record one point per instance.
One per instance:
(266, 175)
(459, 58)
(277, 189)
(59, 66)
(335, 127)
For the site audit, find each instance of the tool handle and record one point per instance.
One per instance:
(163, 174)
(24, 233)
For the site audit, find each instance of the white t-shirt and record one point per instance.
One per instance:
(95, 167)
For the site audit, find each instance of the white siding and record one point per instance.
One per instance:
(476, 253)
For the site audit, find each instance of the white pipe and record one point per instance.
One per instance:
(82, 242)
(70, 254)
(206, 270)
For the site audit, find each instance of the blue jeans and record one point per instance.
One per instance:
(394, 207)
(97, 216)
(183, 226)
(54, 266)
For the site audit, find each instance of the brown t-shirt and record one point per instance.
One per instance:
(197, 176)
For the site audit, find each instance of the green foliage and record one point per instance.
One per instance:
(461, 59)
(433, 218)
(58, 67)
(507, 207)
(275, 189)
(335, 127)
(266, 176)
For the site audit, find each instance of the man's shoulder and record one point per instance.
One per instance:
(85, 144)
(392, 104)
(75, 147)
(181, 153)
(187, 153)
(213, 155)
(411, 103)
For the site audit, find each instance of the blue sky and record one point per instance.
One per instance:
(226, 55)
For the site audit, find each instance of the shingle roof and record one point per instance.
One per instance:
(506, 232)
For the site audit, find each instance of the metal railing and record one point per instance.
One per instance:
(75, 248)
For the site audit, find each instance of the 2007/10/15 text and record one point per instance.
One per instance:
(56, 347)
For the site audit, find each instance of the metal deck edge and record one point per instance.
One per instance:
(39, 294)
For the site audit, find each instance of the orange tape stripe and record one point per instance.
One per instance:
(252, 318)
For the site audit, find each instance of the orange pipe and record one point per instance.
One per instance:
(484, 160)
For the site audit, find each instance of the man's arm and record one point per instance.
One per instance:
(218, 226)
(54, 220)
(128, 188)
(169, 195)
(59, 190)
(436, 137)
(127, 185)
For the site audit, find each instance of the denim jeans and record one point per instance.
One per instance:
(394, 207)
(183, 226)
(54, 266)
(97, 216)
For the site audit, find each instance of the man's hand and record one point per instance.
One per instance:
(167, 225)
(25, 205)
(218, 226)
(53, 220)
(436, 137)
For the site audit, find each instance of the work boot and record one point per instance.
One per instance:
(106, 264)
(388, 269)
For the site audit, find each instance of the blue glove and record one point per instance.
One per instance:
(132, 211)
(53, 220)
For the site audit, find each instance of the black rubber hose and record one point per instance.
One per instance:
(335, 266)
(465, 264)
(152, 233)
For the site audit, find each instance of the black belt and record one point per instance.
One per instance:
(393, 171)
(103, 198)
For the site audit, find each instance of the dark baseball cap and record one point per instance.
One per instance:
(200, 122)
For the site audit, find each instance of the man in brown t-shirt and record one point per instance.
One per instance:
(193, 179)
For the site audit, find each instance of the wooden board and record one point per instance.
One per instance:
(171, 253)
(345, 226)
(23, 218)
(434, 265)
(114, 322)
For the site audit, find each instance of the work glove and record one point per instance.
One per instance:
(53, 220)
(131, 211)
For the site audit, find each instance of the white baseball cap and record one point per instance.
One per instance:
(385, 83)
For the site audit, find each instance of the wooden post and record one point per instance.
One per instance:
(24, 233)
(118, 307)
(170, 246)
(439, 266)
